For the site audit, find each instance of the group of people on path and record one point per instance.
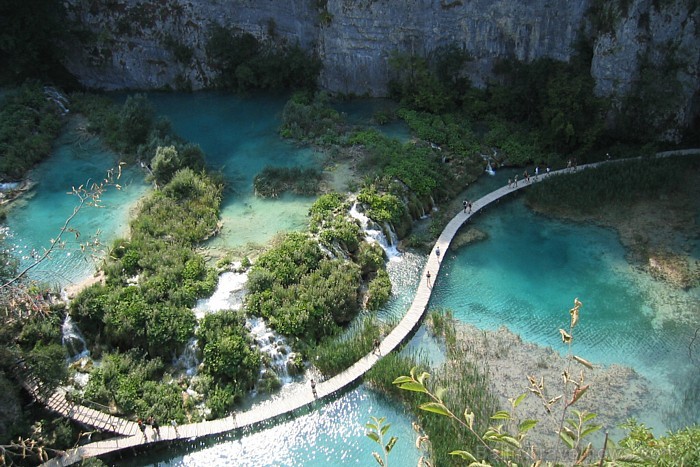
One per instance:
(154, 426)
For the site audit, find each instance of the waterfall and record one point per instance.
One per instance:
(189, 360)
(55, 96)
(228, 295)
(73, 340)
(280, 358)
(374, 234)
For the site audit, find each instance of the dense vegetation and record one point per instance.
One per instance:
(273, 181)
(244, 63)
(29, 123)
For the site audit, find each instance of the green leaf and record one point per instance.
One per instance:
(590, 429)
(371, 426)
(402, 379)
(389, 446)
(588, 417)
(520, 398)
(464, 455)
(526, 425)
(510, 440)
(435, 407)
(385, 428)
(417, 387)
(501, 415)
(378, 458)
(631, 458)
(373, 436)
(566, 439)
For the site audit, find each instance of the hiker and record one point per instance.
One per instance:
(313, 388)
(142, 427)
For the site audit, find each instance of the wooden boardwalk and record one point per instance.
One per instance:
(132, 438)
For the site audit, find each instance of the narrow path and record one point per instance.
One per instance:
(302, 398)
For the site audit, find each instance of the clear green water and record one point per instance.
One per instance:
(524, 276)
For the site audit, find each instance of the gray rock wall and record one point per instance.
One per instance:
(129, 43)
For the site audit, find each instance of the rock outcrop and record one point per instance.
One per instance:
(139, 44)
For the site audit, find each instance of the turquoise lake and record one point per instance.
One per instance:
(525, 276)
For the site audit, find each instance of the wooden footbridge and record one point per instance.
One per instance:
(129, 435)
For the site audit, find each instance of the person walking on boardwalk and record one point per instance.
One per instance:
(142, 427)
(375, 345)
(437, 253)
(155, 426)
(464, 203)
(427, 278)
(313, 388)
(470, 207)
(173, 423)
(515, 183)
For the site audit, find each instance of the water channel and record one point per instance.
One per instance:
(524, 276)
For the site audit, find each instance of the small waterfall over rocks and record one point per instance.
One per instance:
(73, 340)
(190, 358)
(55, 96)
(374, 233)
(279, 367)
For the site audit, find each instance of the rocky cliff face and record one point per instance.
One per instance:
(154, 44)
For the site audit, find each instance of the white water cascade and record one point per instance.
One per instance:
(55, 96)
(73, 340)
(375, 234)
(190, 359)
(279, 354)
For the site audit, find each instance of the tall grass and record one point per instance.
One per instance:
(621, 183)
(335, 354)
(467, 387)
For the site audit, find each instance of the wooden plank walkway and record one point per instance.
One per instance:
(303, 397)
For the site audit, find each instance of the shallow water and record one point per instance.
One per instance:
(239, 136)
(37, 217)
(528, 271)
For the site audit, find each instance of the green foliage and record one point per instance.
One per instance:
(230, 357)
(273, 181)
(618, 183)
(451, 131)
(309, 117)
(336, 354)
(377, 430)
(379, 290)
(135, 385)
(381, 207)
(370, 257)
(416, 86)
(28, 125)
(681, 447)
(135, 120)
(244, 63)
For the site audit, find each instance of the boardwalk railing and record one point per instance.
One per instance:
(274, 410)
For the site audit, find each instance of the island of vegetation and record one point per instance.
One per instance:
(309, 286)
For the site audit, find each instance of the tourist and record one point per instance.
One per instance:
(142, 427)
(537, 171)
(173, 423)
(516, 181)
(376, 344)
(548, 170)
(470, 207)
(464, 203)
(155, 426)
(313, 388)
(437, 252)
(427, 276)
(510, 182)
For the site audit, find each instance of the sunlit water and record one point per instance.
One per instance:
(524, 276)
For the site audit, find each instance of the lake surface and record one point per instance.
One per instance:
(525, 276)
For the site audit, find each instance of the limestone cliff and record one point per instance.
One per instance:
(161, 43)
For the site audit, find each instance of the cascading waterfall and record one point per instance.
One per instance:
(279, 354)
(189, 360)
(373, 233)
(73, 340)
(55, 96)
